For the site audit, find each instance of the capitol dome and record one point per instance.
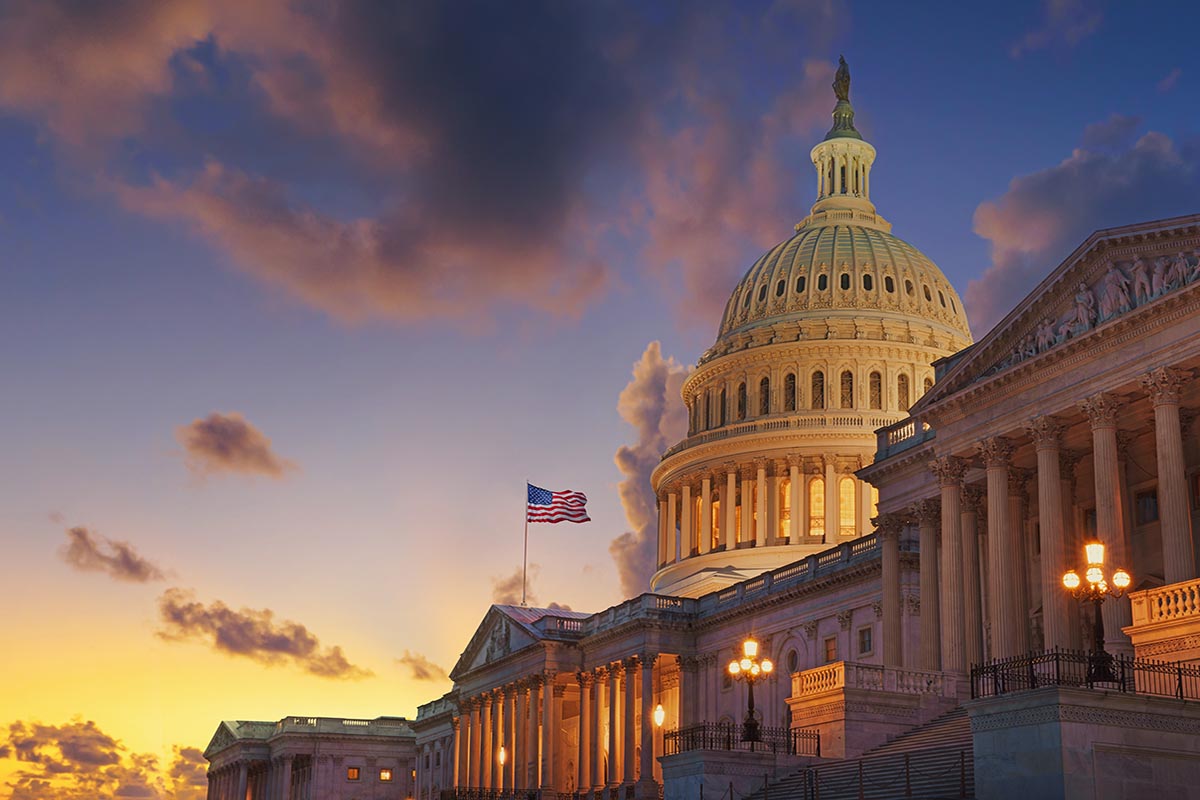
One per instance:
(829, 337)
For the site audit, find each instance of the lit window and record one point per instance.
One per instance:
(902, 392)
(928, 385)
(351, 773)
(715, 533)
(830, 649)
(847, 522)
(816, 507)
(876, 390)
(385, 775)
(874, 502)
(847, 389)
(785, 507)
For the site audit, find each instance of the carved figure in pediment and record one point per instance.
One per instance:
(1196, 269)
(1141, 281)
(1046, 337)
(1115, 296)
(1158, 281)
(1085, 310)
(1029, 346)
(500, 642)
(1177, 274)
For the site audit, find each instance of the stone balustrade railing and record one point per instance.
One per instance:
(1165, 603)
(900, 436)
(838, 419)
(853, 675)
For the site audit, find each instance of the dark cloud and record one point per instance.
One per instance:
(1115, 133)
(421, 668)
(1064, 23)
(503, 150)
(90, 552)
(79, 761)
(252, 633)
(651, 403)
(506, 590)
(1045, 215)
(228, 443)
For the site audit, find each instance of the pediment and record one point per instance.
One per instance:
(1113, 274)
(222, 738)
(497, 636)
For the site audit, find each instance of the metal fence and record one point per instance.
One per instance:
(728, 736)
(1086, 670)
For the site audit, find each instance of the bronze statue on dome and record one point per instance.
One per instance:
(841, 81)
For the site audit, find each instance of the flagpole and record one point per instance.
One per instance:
(525, 554)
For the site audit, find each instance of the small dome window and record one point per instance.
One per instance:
(747, 303)
(868, 282)
(780, 287)
(845, 281)
(942, 298)
(953, 307)
(762, 293)
(928, 296)
(822, 283)
(889, 284)
(800, 284)
(908, 287)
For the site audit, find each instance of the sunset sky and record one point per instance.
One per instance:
(294, 297)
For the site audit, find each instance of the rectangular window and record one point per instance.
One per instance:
(830, 649)
(385, 775)
(351, 773)
(864, 641)
(438, 759)
(1146, 504)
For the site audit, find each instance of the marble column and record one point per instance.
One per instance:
(614, 735)
(972, 497)
(533, 753)
(729, 507)
(243, 776)
(706, 517)
(487, 754)
(559, 753)
(890, 526)
(476, 705)
(285, 778)
(746, 534)
(549, 735)
(1101, 410)
(1179, 564)
(761, 508)
(647, 788)
(1020, 555)
(520, 729)
(512, 727)
(926, 514)
(1067, 460)
(597, 782)
(1047, 440)
(456, 724)
(794, 529)
(949, 471)
(1002, 608)
(833, 521)
(629, 749)
(686, 522)
(584, 762)
(688, 694)
(662, 530)
(672, 527)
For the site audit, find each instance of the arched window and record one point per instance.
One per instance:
(868, 282)
(902, 392)
(702, 400)
(762, 293)
(875, 385)
(800, 284)
(694, 533)
(847, 522)
(789, 392)
(847, 394)
(793, 661)
(741, 401)
(747, 303)
(715, 533)
(889, 284)
(785, 508)
(942, 298)
(764, 397)
(818, 389)
(780, 287)
(874, 503)
(928, 385)
(845, 281)
(822, 282)
(722, 409)
(928, 296)
(816, 507)
(908, 287)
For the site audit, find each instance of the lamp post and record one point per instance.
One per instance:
(749, 669)
(1095, 587)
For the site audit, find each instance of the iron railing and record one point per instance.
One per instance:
(1086, 670)
(728, 736)
(937, 774)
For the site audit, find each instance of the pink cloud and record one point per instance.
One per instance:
(1064, 22)
(228, 443)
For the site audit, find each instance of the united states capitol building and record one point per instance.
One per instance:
(887, 509)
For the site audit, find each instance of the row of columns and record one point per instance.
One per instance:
(830, 179)
(952, 624)
(258, 780)
(685, 530)
(433, 776)
(510, 716)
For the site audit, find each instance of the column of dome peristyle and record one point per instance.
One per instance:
(847, 190)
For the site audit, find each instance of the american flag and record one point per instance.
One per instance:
(547, 506)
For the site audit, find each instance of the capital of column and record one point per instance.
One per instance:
(559, 690)
(454, 722)
(972, 497)
(748, 472)
(1045, 432)
(795, 460)
(585, 679)
(1164, 384)
(1101, 410)
(548, 675)
(485, 700)
(730, 467)
(761, 463)
(926, 512)
(690, 664)
(648, 658)
(948, 469)
(995, 451)
(630, 664)
(600, 672)
(889, 524)
(533, 681)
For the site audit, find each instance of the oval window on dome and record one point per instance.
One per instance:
(779, 288)
(800, 284)
(762, 293)
(845, 281)
(747, 303)
(822, 283)
(889, 284)
(928, 296)
(908, 287)
(868, 282)
(942, 298)
(953, 307)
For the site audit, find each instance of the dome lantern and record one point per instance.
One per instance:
(843, 161)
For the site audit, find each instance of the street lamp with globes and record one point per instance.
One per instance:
(1095, 587)
(750, 669)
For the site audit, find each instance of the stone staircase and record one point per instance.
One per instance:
(933, 761)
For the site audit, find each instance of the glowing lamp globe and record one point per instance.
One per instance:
(767, 666)
(660, 714)
(746, 664)
(1094, 575)
(503, 756)
(1071, 580)
(734, 668)
(1121, 579)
